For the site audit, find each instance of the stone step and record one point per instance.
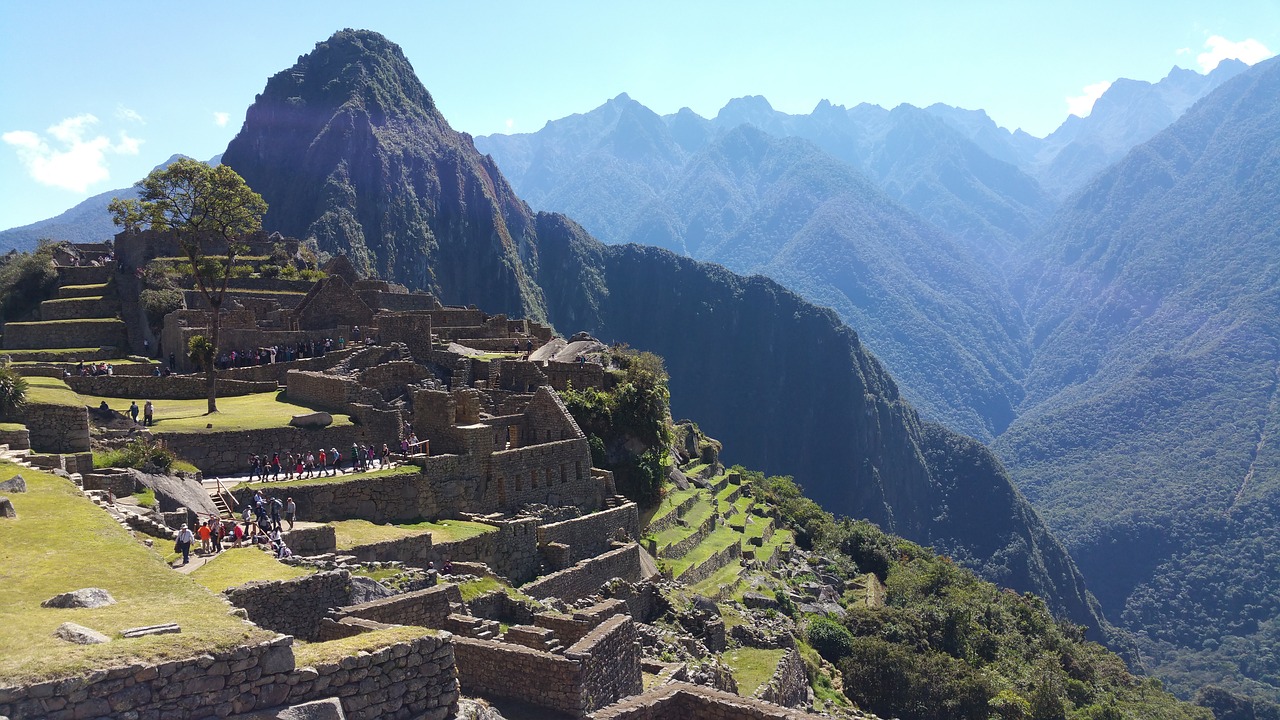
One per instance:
(64, 334)
(85, 275)
(78, 291)
(80, 308)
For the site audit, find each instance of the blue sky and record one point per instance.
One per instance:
(94, 94)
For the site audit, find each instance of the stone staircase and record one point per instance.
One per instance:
(532, 636)
(470, 626)
(84, 315)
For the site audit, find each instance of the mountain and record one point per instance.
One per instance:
(86, 222)
(727, 192)
(781, 381)
(375, 171)
(1148, 433)
(1128, 114)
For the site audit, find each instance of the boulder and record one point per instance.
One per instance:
(315, 419)
(14, 484)
(6, 508)
(79, 634)
(365, 589)
(330, 709)
(82, 598)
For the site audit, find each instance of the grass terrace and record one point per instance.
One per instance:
(61, 542)
(307, 654)
(11, 427)
(237, 566)
(52, 391)
(258, 411)
(354, 533)
(473, 589)
(697, 514)
(752, 667)
(670, 502)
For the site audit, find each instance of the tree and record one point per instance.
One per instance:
(207, 208)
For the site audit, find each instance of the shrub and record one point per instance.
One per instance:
(160, 302)
(140, 453)
(13, 391)
(831, 639)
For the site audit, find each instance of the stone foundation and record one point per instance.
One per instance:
(296, 606)
(681, 700)
(57, 428)
(586, 577)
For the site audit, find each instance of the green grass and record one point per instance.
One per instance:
(246, 412)
(96, 286)
(700, 511)
(354, 533)
(51, 391)
(693, 469)
(71, 354)
(752, 667)
(380, 574)
(325, 480)
(60, 542)
(719, 539)
(671, 501)
(12, 427)
(473, 589)
(307, 654)
(237, 566)
(80, 299)
(728, 575)
(69, 322)
(146, 498)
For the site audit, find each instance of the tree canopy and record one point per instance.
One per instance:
(210, 209)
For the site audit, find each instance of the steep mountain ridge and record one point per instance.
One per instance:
(376, 172)
(1148, 435)
(733, 345)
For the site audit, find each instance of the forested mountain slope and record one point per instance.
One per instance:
(779, 206)
(756, 365)
(1149, 433)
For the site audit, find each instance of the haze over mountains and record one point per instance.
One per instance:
(1100, 304)
(1143, 308)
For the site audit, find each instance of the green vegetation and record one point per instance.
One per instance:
(204, 206)
(635, 410)
(236, 566)
(145, 498)
(50, 391)
(752, 667)
(26, 279)
(244, 412)
(473, 589)
(307, 654)
(354, 533)
(141, 453)
(62, 542)
(13, 391)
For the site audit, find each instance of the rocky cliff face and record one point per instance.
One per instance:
(348, 147)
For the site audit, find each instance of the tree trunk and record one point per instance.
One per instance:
(211, 367)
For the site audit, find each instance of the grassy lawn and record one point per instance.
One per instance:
(693, 469)
(727, 575)
(700, 511)
(246, 412)
(719, 539)
(95, 286)
(780, 538)
(354, 533)
(237, 566)
(61, 542)
(473, 589)
(78, 321)
(51, 391)
(752, 667)
(12, 427)
(325, 480)
(67, 354)
(307, 654)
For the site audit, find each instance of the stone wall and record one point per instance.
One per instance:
(669, 520)
(708, 567)
(586, 577)
(81, 307)
(511, 552)
(57, 428)
(681, 700)
(595, 671)
(174, 387)
(561, 375)
(789, 685)
(390, 378)
(220, 453)
(64, 334)
(412, 329)
(593, 534)
(379, 499)
(414, 679)
(311, 540)
(317, 389)
(19, 439)
(295, 606)
(426, 608)
(682, 547)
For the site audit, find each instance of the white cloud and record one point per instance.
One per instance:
(71, 161)
(510, 123)
(1219, 48)
(221, 119)
(1082, 105)
(1183, 51)
(127, 113)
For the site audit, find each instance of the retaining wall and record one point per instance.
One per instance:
(414, 679)
(57, 428)
(64, 334)
(586, 577)
(789, 685)
(220, 453)
(174, 387)
(593, 534)
(708, 567)
(682, 700)
(295, 606)
(427, 607)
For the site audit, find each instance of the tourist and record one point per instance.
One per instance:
(290, 512)
(334, 458)
(149, 414)
(447, 567)
(355, 457)
(133, 410)
(215, 529)
(298, 468)
(276, 508)
(206, 540)
(173, 362)
(237, 535)
(386, 455)
(183, 542)
(275, 466)
(311, 463)
(321, 457)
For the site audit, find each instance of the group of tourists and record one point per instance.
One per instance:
(278, 353)
(95, 369)
(148, 412)
(262, 524)
(320, 463)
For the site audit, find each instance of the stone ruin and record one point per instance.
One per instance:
(498, 448)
